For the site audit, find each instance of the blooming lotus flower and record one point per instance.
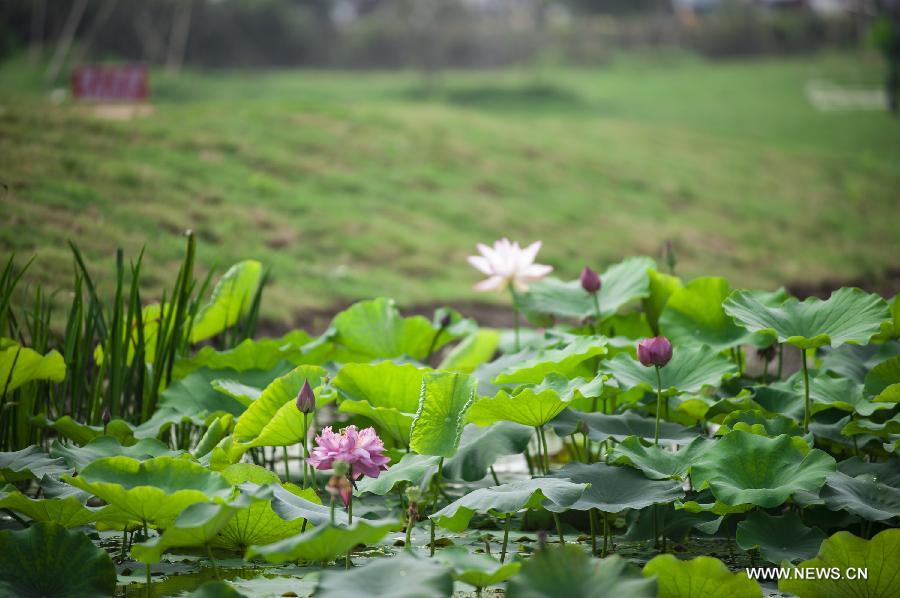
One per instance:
(361, 449)
(656, 351)
(507, 264)
(590, 280)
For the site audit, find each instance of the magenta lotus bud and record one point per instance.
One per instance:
(306, 398)
(446, 321)
(105, 416)
(656, 351)
(590, 280)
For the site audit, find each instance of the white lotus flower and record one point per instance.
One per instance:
(508, 264)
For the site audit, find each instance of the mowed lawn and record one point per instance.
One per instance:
(356, 184)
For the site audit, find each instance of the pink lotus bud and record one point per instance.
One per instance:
(339, 485)
(656, 351)
(105, 416)
(446, 321)
(306, 399)
(590, 280)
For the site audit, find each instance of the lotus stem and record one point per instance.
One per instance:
(593, 532)
(304, 454)
(528, 462)
(287, 470)
(780, 359)
(494, 475)
(212, 559)
(350, 509)
(505, 538)
(543, 438)
(332, 510)
(805, 390)
(149, 582)
(658, 405)
(432, 538)
(559, 531)
(409, 527)
(605, 536)
(596, 313)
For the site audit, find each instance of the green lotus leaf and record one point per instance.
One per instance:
(474, 350)
(263, 354)
(216, 589)
(883, 382)
(215, 432)
(662, 286)
(690, 369)
(884, 472)
(242, 393)
(384, 384)
(863, 495)
(21, 365)
(68, 511)
(30, 463)
(694, 316)
(443, 403)
(480, 447)
(534, 405)
(829, 427)
(105, 446)
(891, 328)
(705, 503)
(701, 577)
(878, 556)
(375, 329)
(883, 429)
(755, 421)
(479, 570)
(388, 420)
(49, 560)
(291, 505)
(744, 468)
(613, 489)
(779, 538)
(325, 542)
(82, 434)
(656, 462)
(156, 490)
(193, 398)
(526, 368)
(676, 524)
(623, 283)
(848, 316)
(621, 426)
(404, 576)
(265, 416)
(507, 499)
(569, 571)
(415, 469)
(232, 298)
(197, 525)
(825, 393)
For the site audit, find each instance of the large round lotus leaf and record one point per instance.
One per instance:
(690, 369)
(68, 511)
(883, 429)
(744, 468)
(385, 384)
(694, 316)
(507, 499)
(480, 447)
(861, 495)
(261, 354)
(779, 537)
(325, 542)
(156, 490)
(404, 576)
(619, 427)
(533, 405)
(79, 457)
(756, 422)
(564, 360)
(622, 283)
(28, 464)
(656, 462)
(479, 570)
(443, 402)
(569, 571)
(845, 552)
(702, 577)
(613, 489)
(848, 316)
(883, 382)
(884, 472)
(49, 560)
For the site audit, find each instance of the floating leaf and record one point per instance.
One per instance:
(508, 499)
(883, 382)
(845, 552)
(325, 542)
(613, 489)
(49, 560)
(480, 447)
(479, 570)
(744, 468)
(533, 405)
(21, 365)
(779, 537)
(701, 577)
(438, 424)
(526, 368)
(848, 316)
(619, 427)
(29, 464)
(404, 576)
(623, 283)
(232, 299)
(156, 490)
(656, 462)
(694, 316)
(690, 369)
(569, 571)
(79, 457)
(474, 350)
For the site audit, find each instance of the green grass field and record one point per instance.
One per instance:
(352, 185)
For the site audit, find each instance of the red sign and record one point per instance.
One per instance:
(111, 83)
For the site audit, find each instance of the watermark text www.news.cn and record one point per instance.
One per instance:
(835, 573)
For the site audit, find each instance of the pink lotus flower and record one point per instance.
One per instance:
(508, 264)
(362, 449)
